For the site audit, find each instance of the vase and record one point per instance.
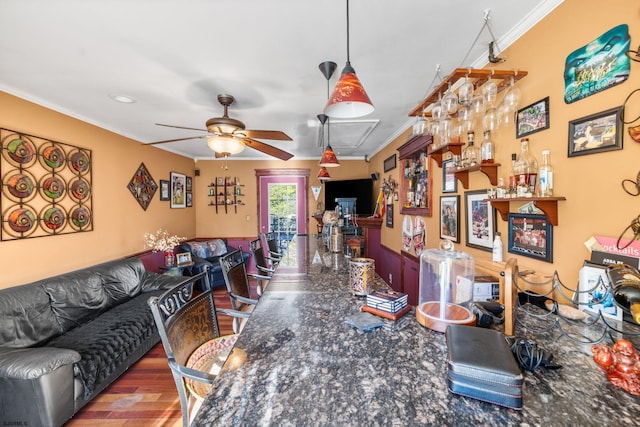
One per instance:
(168, 259)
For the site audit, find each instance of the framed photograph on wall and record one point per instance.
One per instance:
(390, 215)
(164, 191)
(390, 163)
(189, 184)
(530, 236)
(449, 180)
(178, 193)
(533, 118)
(479, 220)
(189, 199)
(450, 218)
(596, 133)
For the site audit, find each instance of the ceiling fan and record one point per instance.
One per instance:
(228, 136)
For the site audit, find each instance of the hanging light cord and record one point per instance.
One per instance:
(348, 60)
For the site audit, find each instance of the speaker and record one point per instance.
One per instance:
(196, 172)
(374, 176)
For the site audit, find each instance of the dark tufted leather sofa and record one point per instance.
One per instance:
(207, 254)
(64, 339)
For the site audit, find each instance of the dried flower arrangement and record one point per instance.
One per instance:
(161, 241)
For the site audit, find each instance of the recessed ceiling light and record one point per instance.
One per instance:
(122, 98)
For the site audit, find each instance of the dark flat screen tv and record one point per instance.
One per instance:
(361, 189)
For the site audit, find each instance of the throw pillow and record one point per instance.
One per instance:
(199, 249)
(217, 247)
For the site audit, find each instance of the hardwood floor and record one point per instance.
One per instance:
(146, 395)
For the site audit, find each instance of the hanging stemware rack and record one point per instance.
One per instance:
(477, 76)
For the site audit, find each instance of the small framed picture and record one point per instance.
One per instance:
(449, 180)
(183, 258)
(189, 199)
(533, 118)
(531, 236)
(450, 218)
(479, 220)
(390, 215)
(596, 133)
(178, 194)
(390, 163)
(164, 191)
(189, 183)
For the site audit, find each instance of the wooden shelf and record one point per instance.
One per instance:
(490, 170)
(548, 205)
(436, 153)
(477, 76)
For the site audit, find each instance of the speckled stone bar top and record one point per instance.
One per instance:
(305, 366)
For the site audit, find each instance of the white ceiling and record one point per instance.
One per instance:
(174, 56)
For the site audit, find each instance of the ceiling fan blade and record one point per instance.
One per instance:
(267, 134)
(180, 127)
(267, 149)
(177, 139)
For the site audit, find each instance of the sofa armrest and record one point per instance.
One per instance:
(32, 363)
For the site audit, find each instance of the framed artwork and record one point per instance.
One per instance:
(390, 215)
(450, 218)
(189, 183)
(164, 190)
(533, 118)
(479, 220)
(189, 199)
(390, 163)
(183, 258)
(449, 181)
(596, 133)
(178, 193)
(530, 236)
(142, 186)
(598, 65)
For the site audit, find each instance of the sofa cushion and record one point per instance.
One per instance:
(217, 247)
(106, 342)
(199, 249)
(26, 317)
(75, 297)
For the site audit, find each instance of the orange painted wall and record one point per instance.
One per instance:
(596, 203)
(119, 221)
(245, 222)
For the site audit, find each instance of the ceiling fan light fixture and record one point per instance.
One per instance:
(323, 174)
(227, 145)
(329, 159)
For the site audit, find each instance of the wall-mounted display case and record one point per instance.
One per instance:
(226, 191)
(415, 176)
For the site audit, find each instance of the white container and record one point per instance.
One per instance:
(446, 288)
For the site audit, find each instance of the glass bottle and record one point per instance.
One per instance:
(546, 175)
(527, 170)
(470, 155)
(497, 248)
(486, 149)
(513, 179)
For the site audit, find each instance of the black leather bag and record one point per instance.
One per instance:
(481, 366)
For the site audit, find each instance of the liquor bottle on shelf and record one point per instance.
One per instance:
(513, 178)
(526, 170)
(546, 175)
(497, 248)
(487, 149)
(470, 155)
(625, 285)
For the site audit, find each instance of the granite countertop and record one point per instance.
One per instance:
(301, 364)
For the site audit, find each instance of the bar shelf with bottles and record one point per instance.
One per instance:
(436, 152)
(548, 205)
(489, 169)
(226, 192)
(416, 176)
